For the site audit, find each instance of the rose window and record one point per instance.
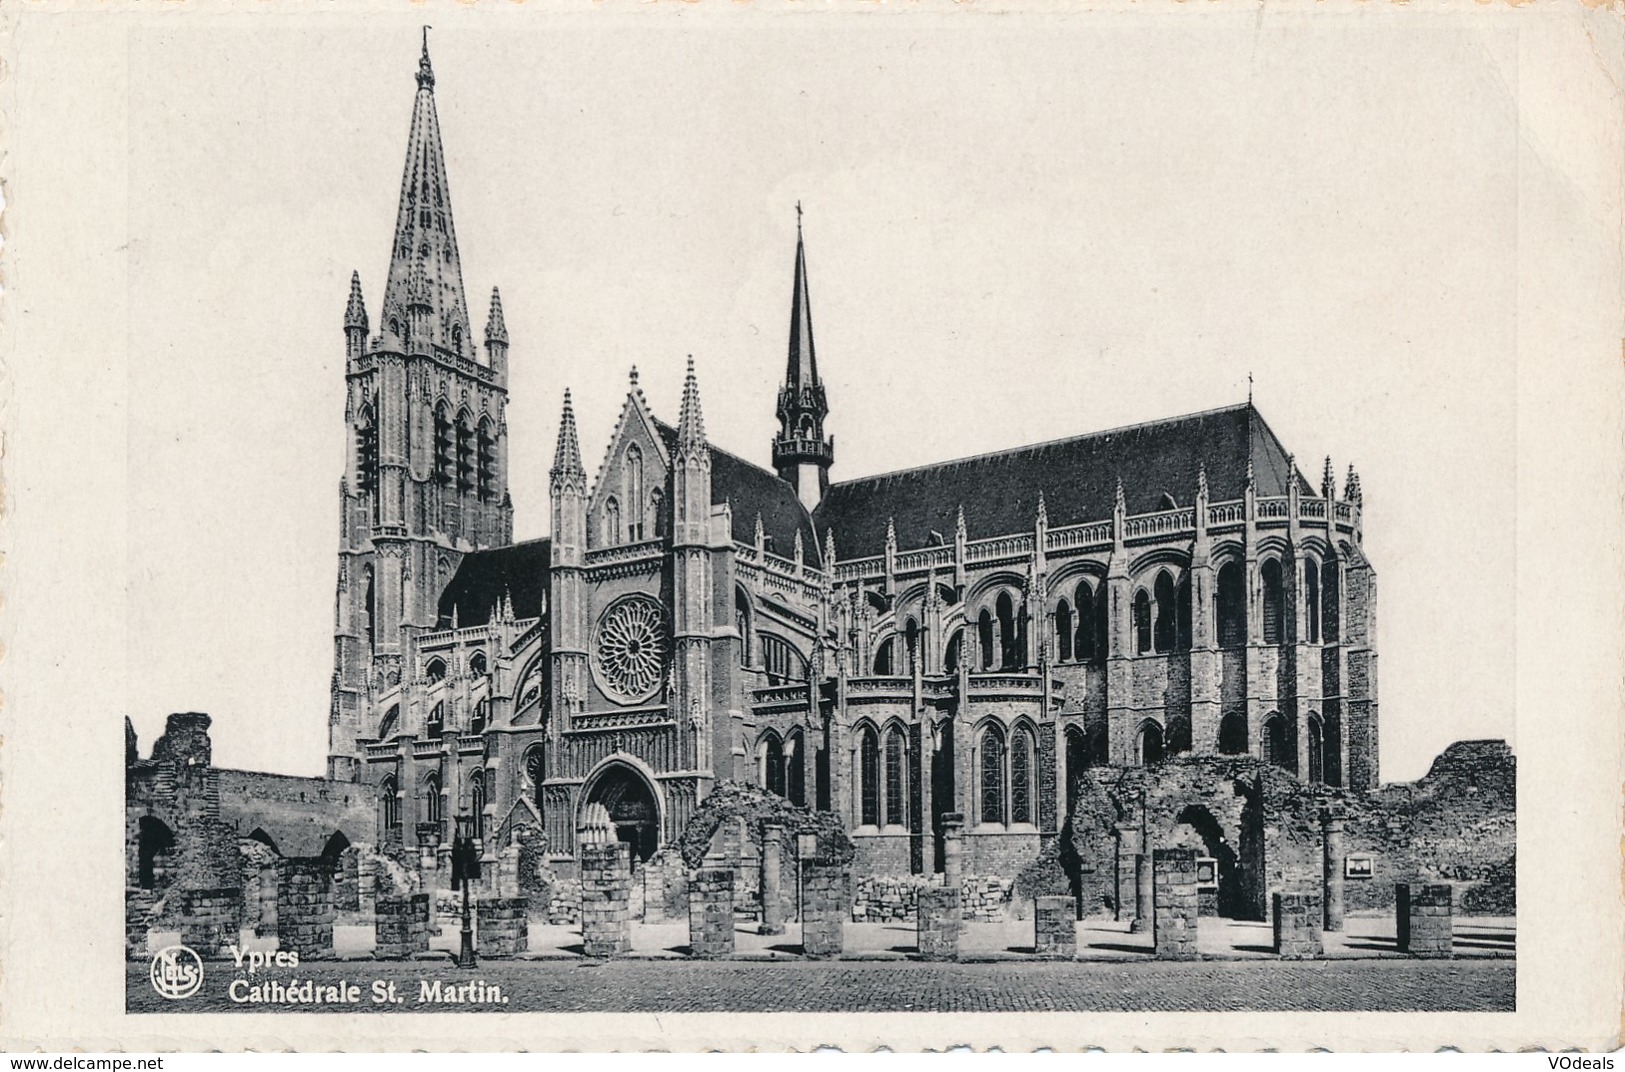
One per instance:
(631, 649)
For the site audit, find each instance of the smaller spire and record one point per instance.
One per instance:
(567, 455)
(495, 329)
(759, 535)
(355, 313)
(425, 69)
(690, 421)
(1120, 503)
(829, 549)
(799, 553)
(1252, 483)
(891, 535)
(1043, 514)
(1201, 480)
(959, 524)
(1351, 488)
(1328, 482)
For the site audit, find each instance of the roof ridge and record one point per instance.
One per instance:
(1047, 443)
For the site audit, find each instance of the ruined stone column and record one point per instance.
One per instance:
(711, 913)
(210, 919)
(1424, 919)
(1055, 931)
(137, 907)
(953, 847)
(824, 909)
(937, 923)
(1123, 899)
(1331, 826)
(1175, 911)
(504, 926)
(606, 893)
(1296, 919)
(401, 927)
(304, 906)
(772, 864)
(1142, 894)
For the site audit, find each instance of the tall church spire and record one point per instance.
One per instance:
(567, 455)
(801, 453)
(424, 234)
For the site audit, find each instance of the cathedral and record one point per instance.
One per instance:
(965, 638)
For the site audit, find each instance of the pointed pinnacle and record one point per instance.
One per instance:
(1043, 514)
(829, 548)
(496, 330)
(959, 522)
(355, 313)
(891, 534)
(690, 421)
(1120, 502)
(1201, 480)
(567, 455)
(1328, 483)
(1252, 482)
(758, 534)
(425, 70)
(417, 286)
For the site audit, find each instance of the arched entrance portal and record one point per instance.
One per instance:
(1231, 899)
(630, 801)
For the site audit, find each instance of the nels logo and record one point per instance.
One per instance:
(177, 972)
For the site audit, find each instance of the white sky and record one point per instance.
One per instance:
(1045, 227)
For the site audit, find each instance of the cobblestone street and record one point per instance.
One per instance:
(874, 986)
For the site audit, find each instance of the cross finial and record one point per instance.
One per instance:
(1249, 387)
(634, 377)
(798, 216)
(425, 71)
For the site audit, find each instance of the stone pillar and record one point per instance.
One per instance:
(606, 891)
(137, 907)
(674, 887)
(1424, 919)
(210, 919)
(1142, 894)
(1124, 901)
(953, 849)
(772, 872)
(711, 913)
(1055, 931)
(304, 906)
(1332, 869)
(504, 926)
(937, 923)
(401, 926)
(1174, 903)
(1296, 917)
(824, 909)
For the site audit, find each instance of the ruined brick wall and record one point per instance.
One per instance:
(299, 814)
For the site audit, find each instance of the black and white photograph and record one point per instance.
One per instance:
(816, 511)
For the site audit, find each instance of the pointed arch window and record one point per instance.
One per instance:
(657, 514)
(1278, 748)
(1166, 629)
(1233, 734)
(1311, 601)
(1317, 752)
(773, 765)
(911, 638)
(371, 599)
(1011, 655)
(435, 672)
(1089, 640)
(433, 811)
(884, 662)
(1142, 623)
(465, 453)
(869, 778)
(896, 778)
(984, 636)
(795, 774)
(954, 652)
(742, 625)
(612, 522)
(1150, 744)
(992, 770)
(436, 726)
(486, 460)
(476, 802)
(1231, 603)
(1063, 632)
(389, 803)
(535, 768)
(366, 452)
(632, 488)
(1330, 602)
(445, 447)
(1270, 574)
(1021, 775)
(481, 715)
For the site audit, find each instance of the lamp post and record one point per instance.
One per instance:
(465, 868)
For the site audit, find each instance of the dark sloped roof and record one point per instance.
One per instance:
(1078, 478)
(750, 490)
(519, 569)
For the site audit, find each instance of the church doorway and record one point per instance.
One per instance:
(633, 811)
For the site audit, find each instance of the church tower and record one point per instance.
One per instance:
(426, 479)
(801, 453)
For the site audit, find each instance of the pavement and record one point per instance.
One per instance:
(1363, 937)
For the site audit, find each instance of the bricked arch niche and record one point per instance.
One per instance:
(1148, 745)
(1233, 734)
(633, 808)
(1279, 749)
